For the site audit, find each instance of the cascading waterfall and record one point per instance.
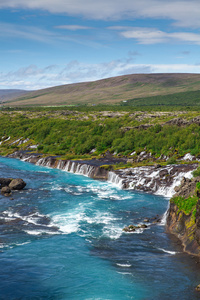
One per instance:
(69, 166)
(148, 179)
(115, 179)
(158, 180)
(41, 162)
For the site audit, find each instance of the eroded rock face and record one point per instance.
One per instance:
(186, 228)
(187, 187)
(17, 184)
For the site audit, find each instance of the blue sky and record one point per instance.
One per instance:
(53, 42)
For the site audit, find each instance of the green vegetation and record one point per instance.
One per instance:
(196, 173)
(185, 205)
(191, 98)
(75, 133)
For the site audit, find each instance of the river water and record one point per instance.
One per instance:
(61, 238)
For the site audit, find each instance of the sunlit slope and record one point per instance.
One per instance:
(113, 90)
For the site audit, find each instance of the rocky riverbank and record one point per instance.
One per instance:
(183, 218)
(156, 179)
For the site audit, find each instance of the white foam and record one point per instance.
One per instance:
(40, 232)
(124, 265)
(164, 218)
(113, 232)
(68, 222)
(125, 273)
(167, 251)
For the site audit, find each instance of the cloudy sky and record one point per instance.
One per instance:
(52, 42)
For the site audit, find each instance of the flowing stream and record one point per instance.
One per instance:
(61, 238)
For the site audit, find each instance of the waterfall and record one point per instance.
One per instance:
(168, 191)
(115, 179)
(160, 181)
(41, 162)
(69, 166)
(79, 168)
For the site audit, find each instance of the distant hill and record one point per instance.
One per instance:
(117, 89)
(6, 95)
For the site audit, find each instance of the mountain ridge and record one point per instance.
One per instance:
(114, 90)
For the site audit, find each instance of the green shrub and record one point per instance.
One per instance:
(171, 160)
(196, 172)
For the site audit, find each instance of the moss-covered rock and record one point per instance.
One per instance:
(184, 217)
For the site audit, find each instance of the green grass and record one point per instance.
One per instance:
(190, 98)
(185, 205)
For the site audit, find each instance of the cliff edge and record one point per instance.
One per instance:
(184, 215)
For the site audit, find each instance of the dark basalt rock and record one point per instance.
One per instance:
(132, 228)
(9, 184)
(5, 181)
(17, 184)
(6, 191)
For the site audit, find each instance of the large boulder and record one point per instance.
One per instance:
(17, 184)
(5, 181)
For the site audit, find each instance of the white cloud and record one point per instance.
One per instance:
(73, 27)
(182, 12)
(34, 77)
(25, 32)
(155, 36)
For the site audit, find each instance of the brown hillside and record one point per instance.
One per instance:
(112, 90)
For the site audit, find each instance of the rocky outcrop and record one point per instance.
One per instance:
(185, 228)
(156, 179)
(187, 187)
(9, 184)
(186, 225)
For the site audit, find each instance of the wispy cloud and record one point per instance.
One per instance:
(26, 32)
(181, 12)
(33, 77)
(37, 34)
(155, 36)
(73, 27)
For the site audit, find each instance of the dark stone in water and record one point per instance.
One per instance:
(197, 288)
(132, 228)
(8, 184)
(146, 220)
(6, 191)
(17, 184)
(142, 226)
(5, 181)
